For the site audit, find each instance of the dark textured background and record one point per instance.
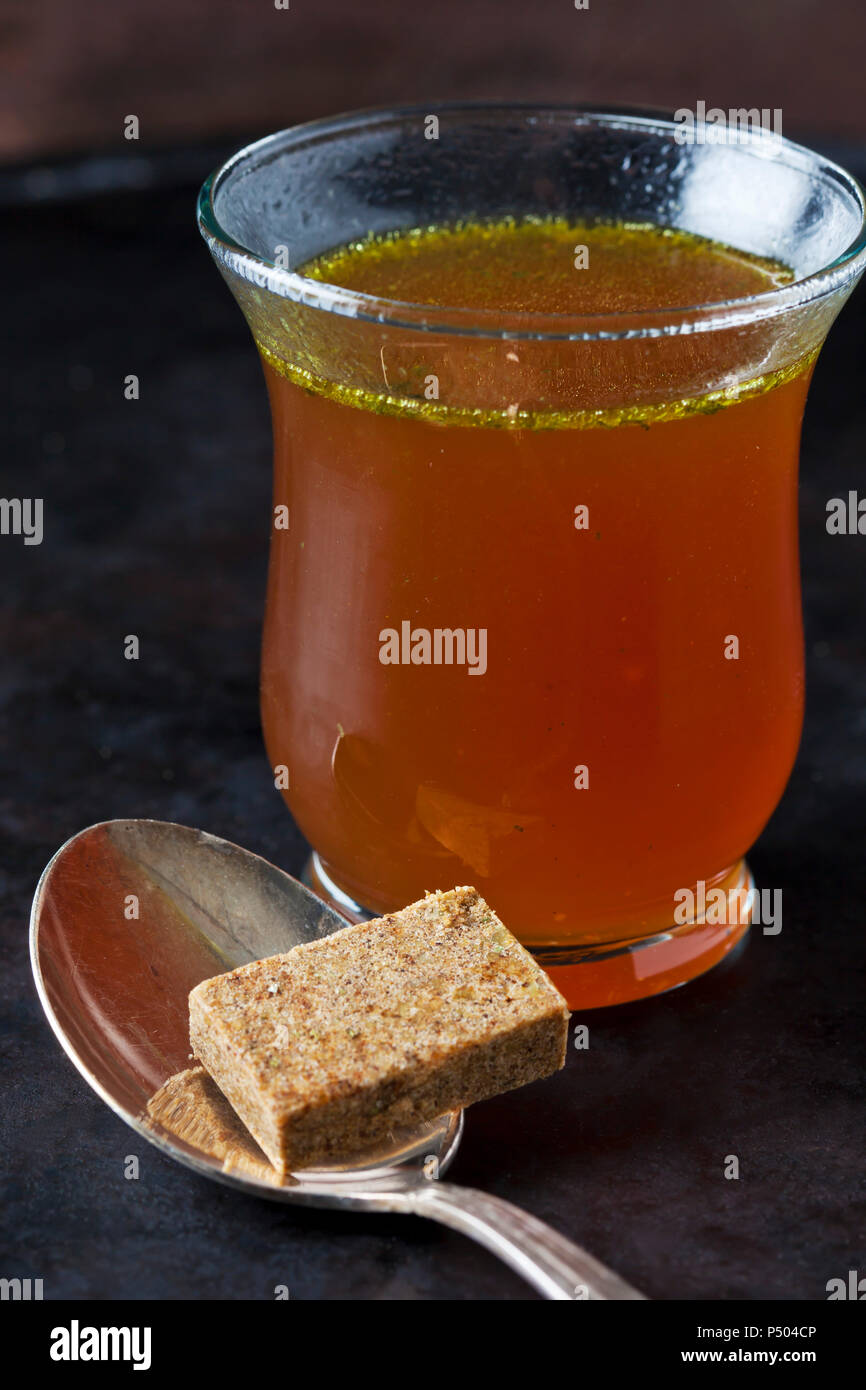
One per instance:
(157, 516)
(193, 69)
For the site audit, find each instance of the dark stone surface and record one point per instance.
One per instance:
(157, 523)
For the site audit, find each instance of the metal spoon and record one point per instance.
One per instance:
(127, 917)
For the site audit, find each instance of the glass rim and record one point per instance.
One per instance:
(242, 261)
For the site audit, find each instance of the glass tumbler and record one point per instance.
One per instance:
(533, 611)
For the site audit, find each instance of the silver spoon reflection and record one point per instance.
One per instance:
(127, 917)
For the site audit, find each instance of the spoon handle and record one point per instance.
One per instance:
(553, 1265)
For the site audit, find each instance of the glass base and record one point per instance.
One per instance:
(596, 976)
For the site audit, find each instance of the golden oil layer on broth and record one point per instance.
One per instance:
(537, 266)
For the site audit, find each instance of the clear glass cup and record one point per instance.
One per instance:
(581, 746)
